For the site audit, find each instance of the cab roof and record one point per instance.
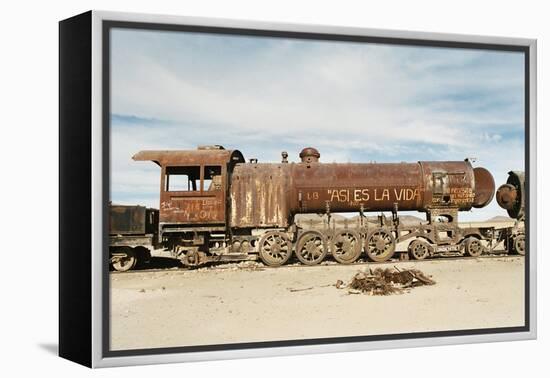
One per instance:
(191, 157)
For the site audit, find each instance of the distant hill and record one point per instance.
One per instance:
(316, 217)
(500, 218)
(404, 220)
(410, 220)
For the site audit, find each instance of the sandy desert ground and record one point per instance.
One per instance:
(230, 304)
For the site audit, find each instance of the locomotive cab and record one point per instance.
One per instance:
(193, 188)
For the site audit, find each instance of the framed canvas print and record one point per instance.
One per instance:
(232, 189)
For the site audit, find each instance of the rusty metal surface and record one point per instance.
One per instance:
(131, 241)
(309, 155)
(202, 207)
(511, 196)
(265, 195)
(132, 220)
(186, 157)
(507, 196)
(484, 187)
(347, 187)
(420, 186)
(259, 195)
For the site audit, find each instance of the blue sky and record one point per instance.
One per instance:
(355, 102)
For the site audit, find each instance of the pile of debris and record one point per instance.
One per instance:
(243, 265)
(385, 281)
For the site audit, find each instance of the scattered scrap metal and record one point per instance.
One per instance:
(385, 281)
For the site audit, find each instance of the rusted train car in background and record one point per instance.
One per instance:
(215, 206)
(511, 197)
(132, 235)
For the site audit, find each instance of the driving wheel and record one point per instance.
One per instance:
(346, 246)
(311, 248)
(275, 248)
(380, 245)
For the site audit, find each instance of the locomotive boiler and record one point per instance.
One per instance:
(270, 194)
(215, 206)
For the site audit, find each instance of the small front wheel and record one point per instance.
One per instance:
(473, 247)
(419, 250)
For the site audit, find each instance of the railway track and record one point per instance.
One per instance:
(260, 266)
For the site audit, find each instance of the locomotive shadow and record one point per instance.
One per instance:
(157, 262)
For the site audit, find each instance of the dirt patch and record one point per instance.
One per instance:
(246, 304)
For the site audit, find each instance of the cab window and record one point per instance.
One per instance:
(182, 179)
(212, 178)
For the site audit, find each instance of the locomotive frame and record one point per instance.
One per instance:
(84, 214)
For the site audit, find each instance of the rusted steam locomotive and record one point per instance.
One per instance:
(511, 197)
(215, 206)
